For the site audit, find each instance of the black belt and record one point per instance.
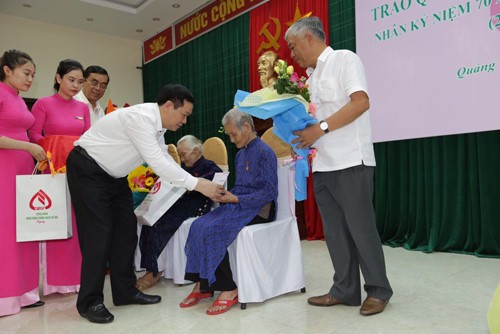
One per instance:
(82, 151)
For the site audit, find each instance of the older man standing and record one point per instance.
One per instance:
(94, 87)
(343, 167)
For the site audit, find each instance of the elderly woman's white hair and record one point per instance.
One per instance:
(237, 118)
(191, 142)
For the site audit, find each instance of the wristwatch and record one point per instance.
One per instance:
(324, 126)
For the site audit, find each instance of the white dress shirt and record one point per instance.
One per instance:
(127, 137)
(337, 75)
(95, 113)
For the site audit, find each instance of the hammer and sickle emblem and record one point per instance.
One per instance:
(272, 41)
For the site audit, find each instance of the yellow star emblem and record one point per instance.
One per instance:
(298, 15)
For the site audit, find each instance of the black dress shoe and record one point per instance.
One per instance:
(140, 299)
(98, 314)
(37, 304)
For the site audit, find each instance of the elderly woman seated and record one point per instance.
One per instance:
(251, 201)
(154, 238)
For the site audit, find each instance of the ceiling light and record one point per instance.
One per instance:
(156, 19)
(26, 5)
(89, 19)
(176, 5)
(138, 30)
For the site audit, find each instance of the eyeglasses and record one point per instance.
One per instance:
(96, 84)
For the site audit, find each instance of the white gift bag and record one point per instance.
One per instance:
(161, 197)
(43, 207)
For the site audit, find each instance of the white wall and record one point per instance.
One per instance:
(48, 44)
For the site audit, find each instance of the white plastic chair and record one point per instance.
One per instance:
(266, 259)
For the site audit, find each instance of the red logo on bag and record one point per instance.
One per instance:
(155, 188)
(40, 201)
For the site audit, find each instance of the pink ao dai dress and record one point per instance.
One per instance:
(19, 261)
(61, 259)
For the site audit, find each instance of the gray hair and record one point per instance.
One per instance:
(191, 142)
(311, 24)
(237, 118)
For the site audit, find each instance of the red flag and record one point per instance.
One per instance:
(268, 24)
(58, 147)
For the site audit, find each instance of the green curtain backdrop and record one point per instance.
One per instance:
(440, 193)
(213, 67)
(432, 194)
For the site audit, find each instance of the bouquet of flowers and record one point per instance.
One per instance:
(288, 81)
(142, 179)
(288, 105)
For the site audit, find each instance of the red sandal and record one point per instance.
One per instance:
(197, 297)
(226, 303)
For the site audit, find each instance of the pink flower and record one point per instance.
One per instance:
(289, 82)
(312, 109)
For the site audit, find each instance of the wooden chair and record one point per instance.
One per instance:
(214, 149)
(172, 150)
(282, 149)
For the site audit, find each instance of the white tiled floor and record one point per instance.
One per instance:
(434, 293)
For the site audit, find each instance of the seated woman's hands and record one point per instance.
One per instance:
(210, 189)
(228, 197)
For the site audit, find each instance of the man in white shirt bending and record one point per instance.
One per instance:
(94, 87)
(97, 170)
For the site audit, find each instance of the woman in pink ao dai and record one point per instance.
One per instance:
(18, 260)
(61, 115)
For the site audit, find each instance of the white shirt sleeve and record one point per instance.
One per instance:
(151, 147)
